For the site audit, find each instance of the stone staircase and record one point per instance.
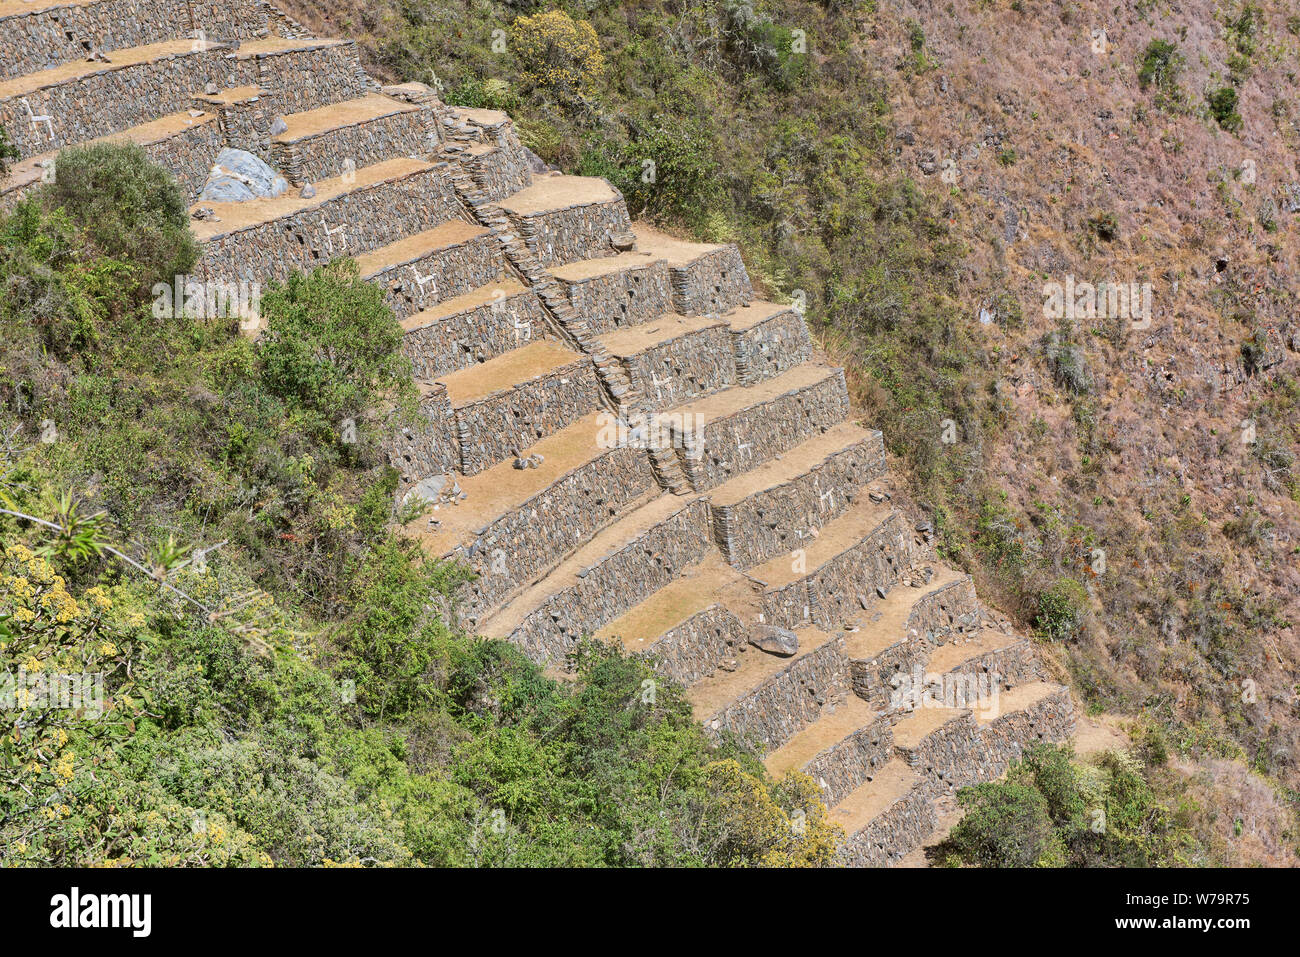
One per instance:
(614, 432)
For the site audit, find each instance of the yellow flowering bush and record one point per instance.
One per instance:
(558, 53)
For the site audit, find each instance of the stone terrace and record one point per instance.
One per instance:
(615, 432)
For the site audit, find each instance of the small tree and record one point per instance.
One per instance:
(129, 208)
(332, 345)
(558, 53)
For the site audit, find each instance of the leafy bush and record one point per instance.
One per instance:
(128, 208)
(669, 170)
(332, 345)
(558, 53)
(7, 152)
(1061, 609)
(1223, 107)
(1067, 363)
(1159, 67)
(1006, 824)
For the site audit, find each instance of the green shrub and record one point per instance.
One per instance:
(332, 345)
(127, 207)
(1061, 610)
(7, 152)
(1006, 824)
(668, 170)
(1159, 67)
(1223, 107)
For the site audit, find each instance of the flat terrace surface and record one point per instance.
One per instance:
(893, 781)
(710, 582)
(827, 731)
(654, 508)
(722, 404)
(799, 461)
(585, 269)
(710, 695)
(484, 295)
(417, 246)
(339, 115)
(514, 368)
(834, 539)
(678, 252)
(16, 8)
(272, 45)
(894, 610)
(922, 722)
(558, 192)
(241, 215)
(631, 340)
(29, 170)
(1018, 698)
(501, 489)
(117, 60)
(746, 317)
(951, 655)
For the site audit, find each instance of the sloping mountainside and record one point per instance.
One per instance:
(425, 423)
(926, 176)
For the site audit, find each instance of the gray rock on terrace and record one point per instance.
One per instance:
(239, 176)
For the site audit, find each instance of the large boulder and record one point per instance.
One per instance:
(775, 641)
(239, 176)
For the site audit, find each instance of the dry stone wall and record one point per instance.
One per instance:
(581, 231)
(334, 152)
(789, 701)
(697, 647)
(426, 279)
(685, 367)
(355, 222)
(108, 100)
(476, 333)
(770, 347)
(641, 292)
(308, 77)
(427, 446)
(35, 40)
(499, 172)
(1005, 738)
(713, 283)
(766, 524)
(726, 447)
(514, 549)
(621, 580)
(498, 426)
(853, 761)
(892, 833)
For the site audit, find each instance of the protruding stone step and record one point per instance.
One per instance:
(767, 340)
(614, 292)
(693, 624)
(675, 358)
(420, 271)
(348, 215)
(838, 575)
(884, 818)
(513, 401)
(729, 433)
(513, 525)
(339, 138)
(84, 100)
(567, 218)
(840, 750)
(767, 699)
(183, 143)
(773, 509)
(468, 329)
(904, 628)
(707, 278)
(620, 567)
